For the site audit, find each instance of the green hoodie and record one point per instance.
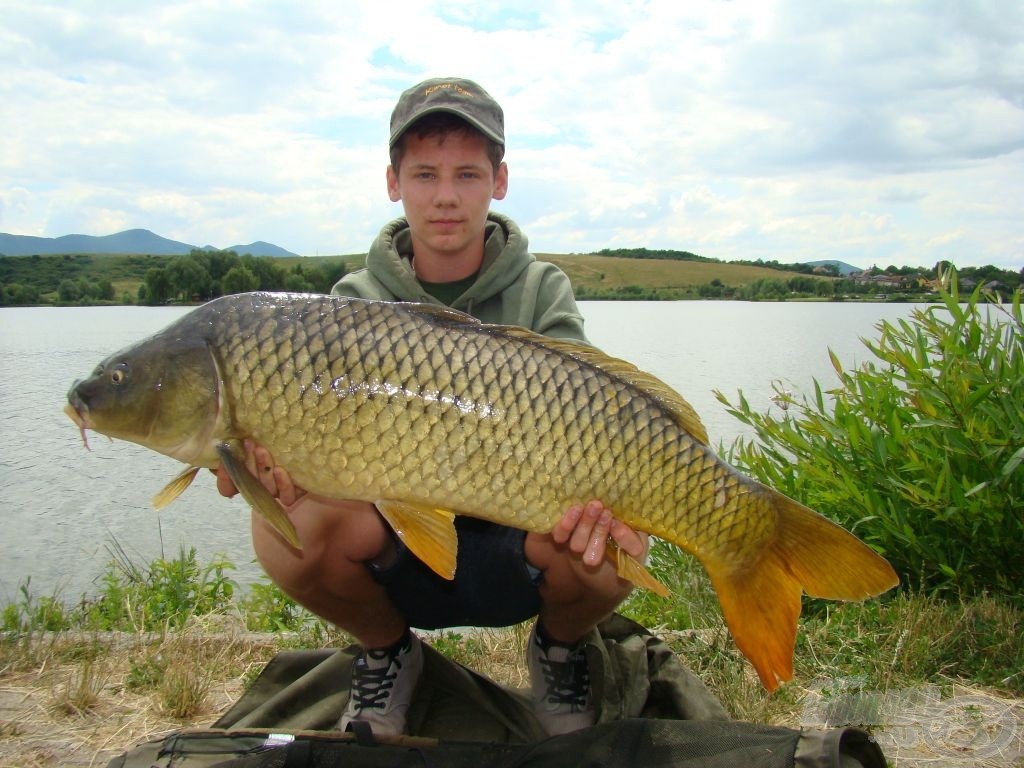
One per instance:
(512, 287)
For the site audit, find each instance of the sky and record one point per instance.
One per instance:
(875, 133)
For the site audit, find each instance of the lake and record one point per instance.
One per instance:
(63, 505)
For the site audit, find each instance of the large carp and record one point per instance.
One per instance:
(429, 414)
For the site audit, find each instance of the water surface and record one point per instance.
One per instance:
(63, 505)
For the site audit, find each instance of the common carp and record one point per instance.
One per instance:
(429, 414)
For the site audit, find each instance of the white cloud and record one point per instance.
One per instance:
(872, 132)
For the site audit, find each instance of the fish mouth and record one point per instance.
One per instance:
(76, 412)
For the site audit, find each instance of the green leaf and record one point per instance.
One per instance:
(1013, 462)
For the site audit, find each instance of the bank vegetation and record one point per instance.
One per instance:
(621, 274)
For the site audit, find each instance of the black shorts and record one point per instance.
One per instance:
(494, 586)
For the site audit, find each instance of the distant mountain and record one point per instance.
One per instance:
(129, 241)
(260, 248)
(844, 268)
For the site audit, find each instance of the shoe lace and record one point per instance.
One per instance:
(567, 682)
(371, 687)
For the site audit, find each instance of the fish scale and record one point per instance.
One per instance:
(427, 413)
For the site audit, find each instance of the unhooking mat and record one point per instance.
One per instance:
(651, 711)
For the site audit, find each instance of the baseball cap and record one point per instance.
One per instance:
(460, 97)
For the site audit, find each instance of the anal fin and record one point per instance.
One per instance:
(428, 532)
(632, 570)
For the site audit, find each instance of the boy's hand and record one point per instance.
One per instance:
(585, 528)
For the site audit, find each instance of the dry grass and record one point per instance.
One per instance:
(73, 700)
(612, 272)
(497, 653)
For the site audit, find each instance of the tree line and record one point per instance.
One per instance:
(204, 275)
(197, 276)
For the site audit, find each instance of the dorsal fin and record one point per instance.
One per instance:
(440, 314)
(681, 411)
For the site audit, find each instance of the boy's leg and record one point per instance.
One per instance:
(575, 597)
(329, 577)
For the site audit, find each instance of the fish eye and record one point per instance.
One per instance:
(119, 374)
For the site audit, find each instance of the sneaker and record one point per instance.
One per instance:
(560, 685)
(383, 682)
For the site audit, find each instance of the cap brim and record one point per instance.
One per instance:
(397, 134)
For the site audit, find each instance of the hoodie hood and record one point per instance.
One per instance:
(505, 258)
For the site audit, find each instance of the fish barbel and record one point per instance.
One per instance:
(429, 414)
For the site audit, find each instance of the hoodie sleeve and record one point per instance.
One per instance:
(555, 312)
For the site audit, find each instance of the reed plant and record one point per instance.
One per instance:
(81, 686)
(918, 451)
(32, 612)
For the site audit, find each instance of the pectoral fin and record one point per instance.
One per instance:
(630, 569)
(232, 457)
(175, 488)
(428, 532)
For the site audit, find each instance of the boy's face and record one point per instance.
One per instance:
(446, 184)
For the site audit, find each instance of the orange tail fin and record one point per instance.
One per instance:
(761, 600)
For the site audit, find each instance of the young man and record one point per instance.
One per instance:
(447, 143)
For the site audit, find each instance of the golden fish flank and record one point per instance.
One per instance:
(428, 414)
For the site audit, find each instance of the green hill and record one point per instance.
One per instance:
(595, 276)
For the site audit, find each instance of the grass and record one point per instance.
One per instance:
(80, 690)
(163, 645)
(76, 698)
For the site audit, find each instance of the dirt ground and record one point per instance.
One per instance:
(925, 726)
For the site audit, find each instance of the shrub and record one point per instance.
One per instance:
(268, 609)
(163, 593)
(918, 452)
(34, 614)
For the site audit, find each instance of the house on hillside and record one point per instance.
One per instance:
(879, 281)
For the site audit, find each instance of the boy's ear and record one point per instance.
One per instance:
(500, 183)
(394, 192)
